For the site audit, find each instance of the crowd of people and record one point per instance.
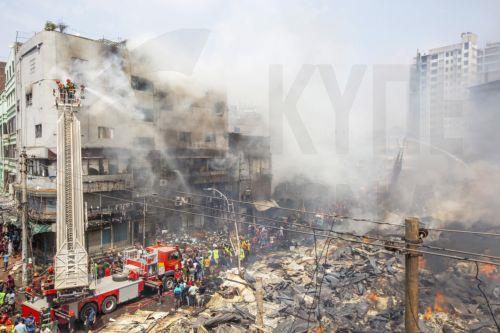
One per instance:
(189, 284)
(202, 264)
(10, 241)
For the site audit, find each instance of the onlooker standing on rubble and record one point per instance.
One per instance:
(160, 293)
(10, 284)
(10, 300)
(5, 261)
(178, 295)
(191, 295)
(215, 254)
(10, 247)
(184, 291)
(206, 266)
(177, 276)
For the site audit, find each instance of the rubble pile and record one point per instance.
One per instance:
(355, 288)
(140, 321)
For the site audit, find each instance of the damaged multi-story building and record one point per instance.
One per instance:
(42, 61)
(147, 143)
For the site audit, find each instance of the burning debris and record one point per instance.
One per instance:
(337, 287)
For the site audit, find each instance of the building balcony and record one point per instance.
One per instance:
(105, 183)
(46, 216)
(206, 177)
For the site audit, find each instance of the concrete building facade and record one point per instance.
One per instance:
(8, 119)
(439, 92)
(489, 63)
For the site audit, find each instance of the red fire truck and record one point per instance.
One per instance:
(141, 268)
(73, 291)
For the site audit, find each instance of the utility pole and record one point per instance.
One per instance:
(24, 218)
(411, 275)
(259, 298)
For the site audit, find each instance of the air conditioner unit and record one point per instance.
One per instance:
(163, 182)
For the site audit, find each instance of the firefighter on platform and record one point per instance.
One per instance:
(70, 88)
(60, 90)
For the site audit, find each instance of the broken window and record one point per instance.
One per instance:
(93, 168)
(210, 137)
(141, 84)
(29, 98)
(38, 131)
(185, 137)
(105, 132)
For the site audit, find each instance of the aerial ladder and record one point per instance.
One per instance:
(71, 280)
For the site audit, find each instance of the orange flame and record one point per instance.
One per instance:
(439, 303)
(489, 271)
(372, 297)
(439, 306)
(428, 313)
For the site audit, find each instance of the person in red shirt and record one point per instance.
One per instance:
(177, 275)
(107, 271)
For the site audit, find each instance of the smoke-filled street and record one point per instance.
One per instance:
(227, 167)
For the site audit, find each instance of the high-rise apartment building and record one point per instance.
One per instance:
(439, 91)
(489, 63)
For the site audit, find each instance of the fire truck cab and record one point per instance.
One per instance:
(154, 262)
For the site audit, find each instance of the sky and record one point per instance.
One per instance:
(247, 37)
(383, 31)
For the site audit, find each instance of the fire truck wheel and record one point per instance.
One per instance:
(119, 277)
(109, 304)
(86, 309)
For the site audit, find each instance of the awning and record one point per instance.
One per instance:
(263, 205)
(38, 228)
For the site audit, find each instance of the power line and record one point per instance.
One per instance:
(272, 219)
(402, 249)
(466, 232)
(332, 215)
(321, 229)
(459, 251)
(296, 210)
(343, 217)
(300, 225)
